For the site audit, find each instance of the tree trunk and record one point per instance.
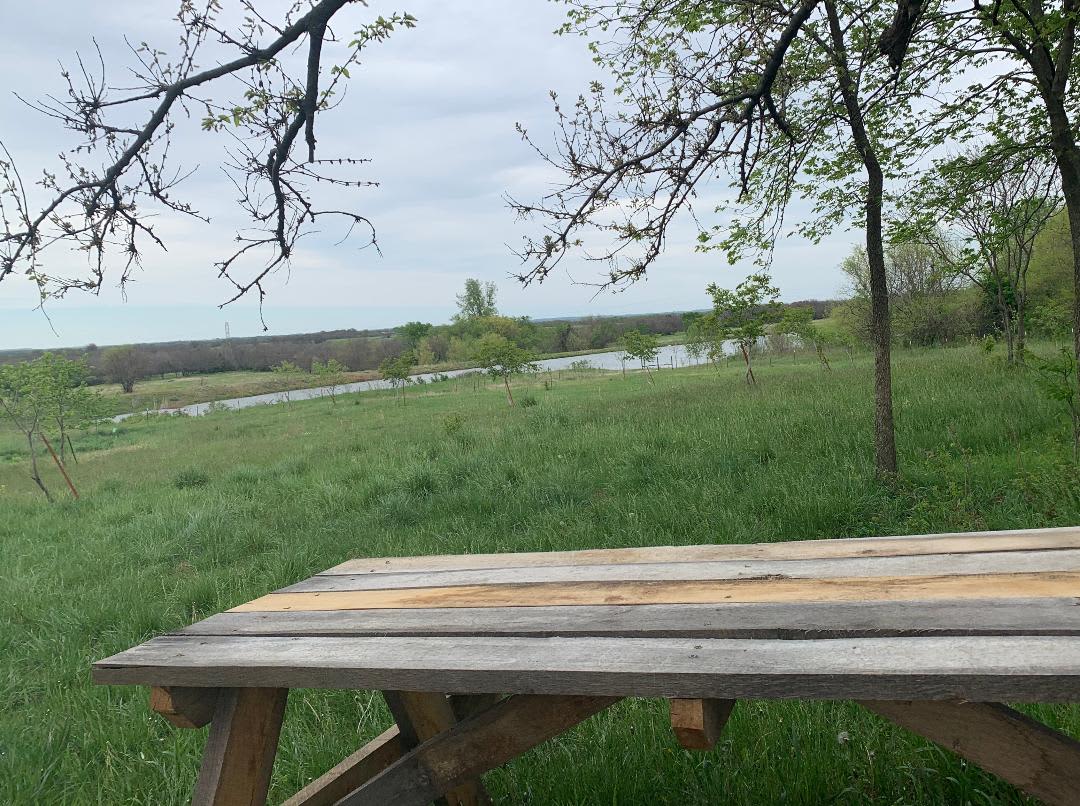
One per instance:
(509, 394)
(1021, 334)
(1006, 327)
(750, 379)
(880, 330)
(34, 474)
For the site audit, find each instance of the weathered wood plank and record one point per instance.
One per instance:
(360, 767)
(1029, 755)
(840, 589)
(421, 716)
(1060, 616)
(481, 743)
(1011, 540)
(1011, 562)
(239, 753)
(698, 723)
(1014, 668)
(184, 707)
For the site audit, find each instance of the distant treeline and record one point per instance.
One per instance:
(367, 349)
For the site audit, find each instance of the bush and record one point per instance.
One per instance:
(528, 401)
(453, 424)
(191, 477)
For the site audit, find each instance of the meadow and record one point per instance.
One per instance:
(181, 518)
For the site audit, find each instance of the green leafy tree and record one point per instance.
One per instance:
(502, 359)
(413, 332)
(331, 375)
(25, 400)
(70, 403)
(793, 102)
(1031, 49)
(398, 370)
(742, 314)
(799, 322)
(477, 300)
(643, 347)
(981, 213)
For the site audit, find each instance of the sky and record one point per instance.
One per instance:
(435, 110)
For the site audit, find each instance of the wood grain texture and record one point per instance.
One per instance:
(697, 724)
(1029, 755)
(360, 767)
(1051, 616)
(474, 746)
(423, 715)
(1014, 668)
(919, 565)
(1012, 540)
(184, 707)
(840, 589)
(239, 753)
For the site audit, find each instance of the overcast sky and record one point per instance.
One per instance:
(435, 109)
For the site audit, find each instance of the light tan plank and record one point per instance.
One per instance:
(1059, 616)
(1012, 540)
(987, 586)
(998, 562)
(360, 767)
(1029, 755)
(1013, 668)
(697, 724)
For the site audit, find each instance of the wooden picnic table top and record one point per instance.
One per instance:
(978, 616)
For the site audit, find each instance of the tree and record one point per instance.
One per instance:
(502, 359)
(790, 100)
(1035, 93)
(123, 365)
(643, 347)
(48, 391)
(799, 322)
(413, 332)
(70, 403)
(992, 207)
(398, 370)
(476, 301)
(110, 184)
(331, 375)
(286, 370)
(742, 314)
(24, 400)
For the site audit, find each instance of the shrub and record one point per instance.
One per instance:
(527, 401)
(453, 424)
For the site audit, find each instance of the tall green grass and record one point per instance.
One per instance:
(181, 518)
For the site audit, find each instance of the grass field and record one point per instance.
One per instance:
(181, 518)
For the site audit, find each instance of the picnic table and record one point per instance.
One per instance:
(482, 657)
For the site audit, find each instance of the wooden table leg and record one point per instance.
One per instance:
(698, 723)
(470, 748)
(240, 750)
(1029, 755)
(421, 715)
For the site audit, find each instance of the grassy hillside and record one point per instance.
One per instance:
(181, 518)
